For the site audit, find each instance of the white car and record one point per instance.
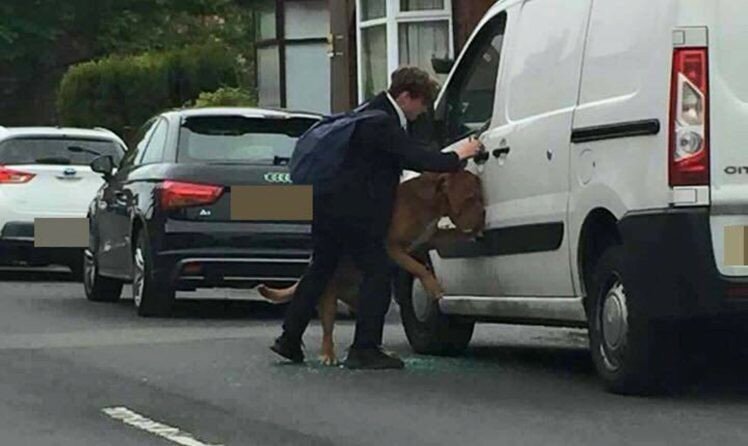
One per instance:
(45, 173)
(616, 192)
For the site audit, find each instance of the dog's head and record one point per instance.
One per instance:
(460, 197)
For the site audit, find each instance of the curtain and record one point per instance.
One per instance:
(421, 5)
(374, 55)
(421, 41)
(373, 9)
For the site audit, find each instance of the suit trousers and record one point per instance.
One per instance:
(335, 236)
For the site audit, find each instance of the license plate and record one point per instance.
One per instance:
(271, 203)
(60, 232)
(736, 245)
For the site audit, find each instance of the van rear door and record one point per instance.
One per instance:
(727, 25)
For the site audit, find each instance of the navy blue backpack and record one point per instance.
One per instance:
(320, 151)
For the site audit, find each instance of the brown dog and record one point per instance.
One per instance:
(419, 205)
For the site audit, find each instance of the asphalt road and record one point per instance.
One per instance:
(77, 373)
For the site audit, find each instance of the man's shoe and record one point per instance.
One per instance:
(371, 359)
(288, 349)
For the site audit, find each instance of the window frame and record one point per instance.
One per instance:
(129, 159)
(282, 42)
(457, 80)
(392, 20)
(149, 146)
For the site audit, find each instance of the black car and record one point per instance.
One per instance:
(163, 222)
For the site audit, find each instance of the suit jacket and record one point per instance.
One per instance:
(380, 149)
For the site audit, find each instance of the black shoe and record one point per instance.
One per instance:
(288, 349)
(372, 359)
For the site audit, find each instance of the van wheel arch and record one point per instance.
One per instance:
(599, 231)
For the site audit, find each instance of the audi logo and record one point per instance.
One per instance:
(278, 177)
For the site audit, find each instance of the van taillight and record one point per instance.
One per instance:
(689, 118)
(177, 194)
(10, 176)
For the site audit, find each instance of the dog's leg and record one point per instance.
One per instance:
(328, 307)
(278, 295)
(399, 254)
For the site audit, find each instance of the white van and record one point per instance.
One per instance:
(616, 192)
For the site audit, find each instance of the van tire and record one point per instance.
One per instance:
(438, 334)
(152, 297)
(631, 351)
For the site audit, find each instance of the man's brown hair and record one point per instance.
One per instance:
(415, 81)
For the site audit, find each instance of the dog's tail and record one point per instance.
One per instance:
(277, 295)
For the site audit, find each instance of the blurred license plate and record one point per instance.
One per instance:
(271, 203)
(60, 232)
(736, 249)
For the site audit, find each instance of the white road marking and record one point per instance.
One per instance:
(134, 419)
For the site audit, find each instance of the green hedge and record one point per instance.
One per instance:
(226, 97)
(122, 92)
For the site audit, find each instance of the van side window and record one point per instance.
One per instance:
(470, 98)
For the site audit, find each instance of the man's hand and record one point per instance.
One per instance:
(469, 149)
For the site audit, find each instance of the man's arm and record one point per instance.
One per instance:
(417, 155)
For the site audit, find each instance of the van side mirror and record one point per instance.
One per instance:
(442, 66)
(103, 165)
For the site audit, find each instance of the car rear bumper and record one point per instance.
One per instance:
(669, 259)
(233, 255)
(17, 246)
(233, 268)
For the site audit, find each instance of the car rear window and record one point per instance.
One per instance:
(238, 139)
(50, 150)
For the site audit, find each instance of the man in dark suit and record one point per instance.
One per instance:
(355, 219)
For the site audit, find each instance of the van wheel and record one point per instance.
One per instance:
(96, 287)
(631, 351)
(151, 298)
(429, 331)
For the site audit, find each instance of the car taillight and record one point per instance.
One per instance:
(689, 118)
(10, 176)
(177, 194)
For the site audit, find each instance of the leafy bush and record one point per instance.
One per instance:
(122, 92)
(225, 97)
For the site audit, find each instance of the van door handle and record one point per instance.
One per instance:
(481, 157)
(500, 151)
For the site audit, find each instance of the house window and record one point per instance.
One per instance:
(421, 5)
(400, 32)
(293, 66)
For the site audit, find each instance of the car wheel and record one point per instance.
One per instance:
(429, 331)
(632, 352)
(151, 297)
(97, 287)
